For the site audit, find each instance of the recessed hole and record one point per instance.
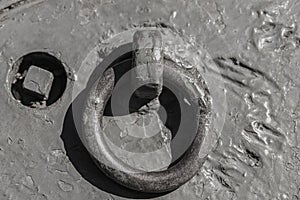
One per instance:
(38, 80)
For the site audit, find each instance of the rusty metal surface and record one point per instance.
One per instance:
(255, 46)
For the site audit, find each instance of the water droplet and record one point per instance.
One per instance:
(187, 101)
(9, 141)
(173, 15)
(64, 186)
(123, 133)
(28, 182)
(97, 100)
(57, 161)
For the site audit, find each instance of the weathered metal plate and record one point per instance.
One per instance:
(255, 46)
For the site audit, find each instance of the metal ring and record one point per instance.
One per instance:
(155, 182)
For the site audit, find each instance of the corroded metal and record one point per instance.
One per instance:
(147, 63)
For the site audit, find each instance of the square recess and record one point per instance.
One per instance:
(38, 80)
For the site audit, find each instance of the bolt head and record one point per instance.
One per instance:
(38, 80)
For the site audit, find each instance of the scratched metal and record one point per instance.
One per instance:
(256, 47)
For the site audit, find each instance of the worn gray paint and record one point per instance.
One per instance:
(256, 46)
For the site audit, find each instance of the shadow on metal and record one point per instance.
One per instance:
(84, 164)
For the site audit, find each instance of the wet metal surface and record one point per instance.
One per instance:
(255, 45)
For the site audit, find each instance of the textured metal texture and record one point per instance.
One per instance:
(253, 44)
(147, 47)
